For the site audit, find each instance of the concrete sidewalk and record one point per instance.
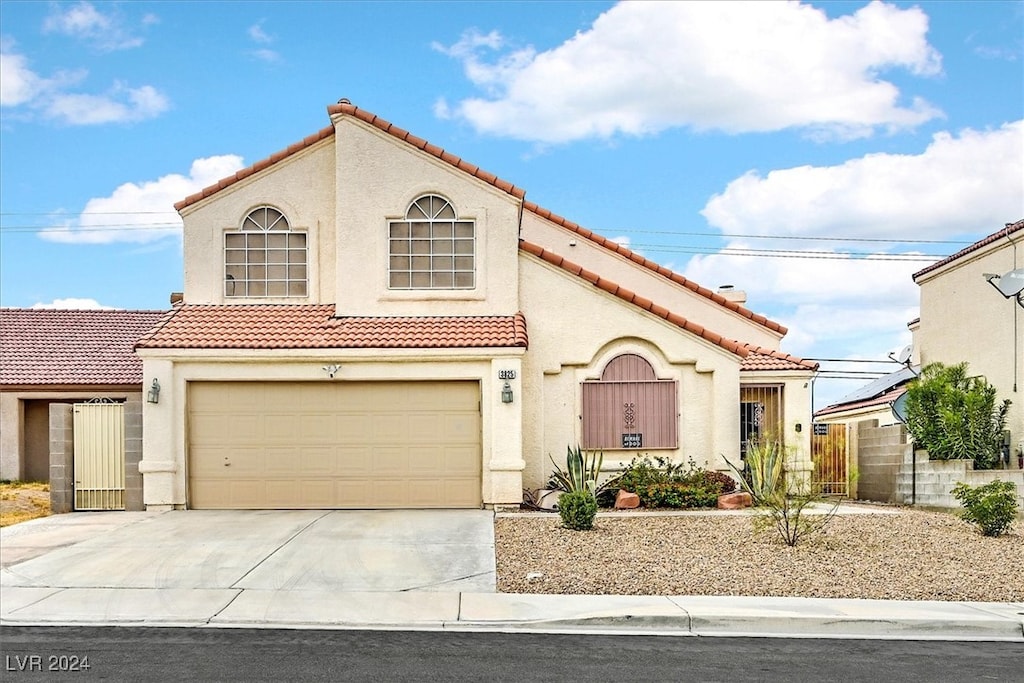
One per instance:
(276, 570)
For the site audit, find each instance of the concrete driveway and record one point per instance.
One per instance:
(292, 550)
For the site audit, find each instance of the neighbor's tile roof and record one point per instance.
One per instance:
(880, 400)
(269, 326)
(71, 347)
(346, 108)
(653, 266)
(994, 237)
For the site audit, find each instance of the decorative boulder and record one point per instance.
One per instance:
(626, 500)
(547, 499)
(734, 501)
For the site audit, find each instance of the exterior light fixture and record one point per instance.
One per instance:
(506, 393)
(331, 369)
(153, 395)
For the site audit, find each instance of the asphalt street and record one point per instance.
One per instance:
(217, 654)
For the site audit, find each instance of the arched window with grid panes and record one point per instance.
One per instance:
(629, 407)
(432, 248)
(265, 257)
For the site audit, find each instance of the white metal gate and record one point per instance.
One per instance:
(99, 456)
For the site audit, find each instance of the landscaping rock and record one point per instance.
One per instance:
(734, 501)
(626, 500)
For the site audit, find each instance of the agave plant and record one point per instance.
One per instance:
(765, 468)
(581, 472)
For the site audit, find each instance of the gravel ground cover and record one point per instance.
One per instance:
(913, 555)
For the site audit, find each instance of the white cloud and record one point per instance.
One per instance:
(82, 20)
(53, 98)
(261, 37)
(732, 66)
(142, 212)
(969, 182)
(72, 303)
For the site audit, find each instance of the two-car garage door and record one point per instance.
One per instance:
(277, 445)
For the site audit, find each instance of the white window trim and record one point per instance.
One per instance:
(228, 283)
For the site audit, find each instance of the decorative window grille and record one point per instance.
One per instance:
(760, 414)
(629, 407)
(265, 257)
(432, 248)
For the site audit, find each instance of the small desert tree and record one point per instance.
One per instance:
(956, 417)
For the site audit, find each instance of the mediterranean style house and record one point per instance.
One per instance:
(370, 321)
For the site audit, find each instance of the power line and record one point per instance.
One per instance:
(898, 240)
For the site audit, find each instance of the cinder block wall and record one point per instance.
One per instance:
(133, 453)
(62, 458)
(880, 454)
(935, 479)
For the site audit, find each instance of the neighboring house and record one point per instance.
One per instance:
(58, 358)
(963, 318)
(873, 401)
(370, 321)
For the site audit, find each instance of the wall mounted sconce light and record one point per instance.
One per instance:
(506, 393)
(153, 395)
(332, 369)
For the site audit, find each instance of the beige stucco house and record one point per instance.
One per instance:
(370, 321)
(964, 318)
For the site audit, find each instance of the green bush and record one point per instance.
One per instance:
(642, 472)
(992, 506)
(717, 482)
(954, 416)
(577, 510)
(677, 495)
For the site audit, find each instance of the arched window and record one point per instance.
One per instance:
(265, 257)
(432, 248)
(629, 407)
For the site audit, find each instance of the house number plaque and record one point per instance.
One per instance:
(506, 374)
(632, 440)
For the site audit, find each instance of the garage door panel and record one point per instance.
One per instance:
(334, 445)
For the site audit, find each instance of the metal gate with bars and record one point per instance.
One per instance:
(99, 455)
(828, 454)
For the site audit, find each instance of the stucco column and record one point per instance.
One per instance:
(506, 432)
(159, 466)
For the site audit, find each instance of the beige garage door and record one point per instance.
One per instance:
(276, 445)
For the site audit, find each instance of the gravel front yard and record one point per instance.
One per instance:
(914, 555)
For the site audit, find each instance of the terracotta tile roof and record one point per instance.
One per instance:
(71, 347)
(994, 237)
(881, 400)
(653, 266)
(374, 120)
(763, 359)
(633, 298)
(315, 327)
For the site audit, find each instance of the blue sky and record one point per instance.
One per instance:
(694, 132)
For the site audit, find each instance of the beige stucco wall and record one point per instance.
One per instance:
(963, 318)
(645, 282)
(165, 438)
(12, 422)
(378, 177)
(575, 329)
(302, 187)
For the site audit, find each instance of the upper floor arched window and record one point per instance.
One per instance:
(265, 257)
(432, 248)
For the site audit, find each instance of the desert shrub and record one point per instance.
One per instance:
(577, 510)
(582, 472)
(676, 495)
(716, 482)
(991, 506)
(954, 416)
(643, 472)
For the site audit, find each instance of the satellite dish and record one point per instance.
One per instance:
(905, 354)
(899, 408)
(1009, 284)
